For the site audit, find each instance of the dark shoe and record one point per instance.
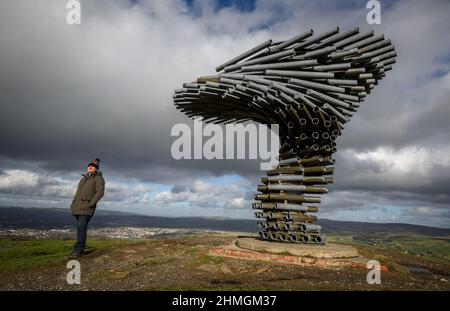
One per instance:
(75, 254)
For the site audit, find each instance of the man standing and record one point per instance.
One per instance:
(89, 191)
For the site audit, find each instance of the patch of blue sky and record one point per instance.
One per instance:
(444, 67)
(241, 5)
(156, 187)
(250, 5)
(426, 77)
(354, 4)
(445, 58)
(440, 72)
(223, 180)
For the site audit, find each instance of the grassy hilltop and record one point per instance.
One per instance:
(181, 262)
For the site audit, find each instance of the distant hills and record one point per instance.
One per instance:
(53, 218)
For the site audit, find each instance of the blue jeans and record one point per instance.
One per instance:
(82, 222)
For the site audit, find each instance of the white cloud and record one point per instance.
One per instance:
(43, 186)
(206, 194)
(410, 167)
(17, 178)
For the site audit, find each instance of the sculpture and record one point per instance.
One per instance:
(311, 85)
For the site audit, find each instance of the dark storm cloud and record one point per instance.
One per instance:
(100, 90)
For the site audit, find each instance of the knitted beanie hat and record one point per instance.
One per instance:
(95, 163)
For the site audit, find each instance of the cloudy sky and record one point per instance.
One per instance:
(70, 93)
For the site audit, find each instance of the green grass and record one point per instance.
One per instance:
(206, 259)
(429, 247)
(434, 249)
(21, 255)
(344, 239)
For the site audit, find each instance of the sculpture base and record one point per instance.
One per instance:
(328, 250)
(333, 256)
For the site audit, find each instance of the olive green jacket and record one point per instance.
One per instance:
(89, 191)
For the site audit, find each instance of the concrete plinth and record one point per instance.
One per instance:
(328, 250)
(324, 256)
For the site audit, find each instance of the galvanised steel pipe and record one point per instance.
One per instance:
(244, 55)
(283, 178)
(315, 39)
(300, 74)
(291, 187)
(263, 59)
(291, 41)
(282, 65)
(353, 39)
(286, 197)
(317, 86)
(336, 38)
(295, 160)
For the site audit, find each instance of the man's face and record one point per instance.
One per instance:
(91, 169)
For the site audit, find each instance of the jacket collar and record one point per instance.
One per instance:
(89, 175)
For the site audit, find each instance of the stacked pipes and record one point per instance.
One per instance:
(311, 85)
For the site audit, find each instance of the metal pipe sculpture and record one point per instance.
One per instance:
(311, 85)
